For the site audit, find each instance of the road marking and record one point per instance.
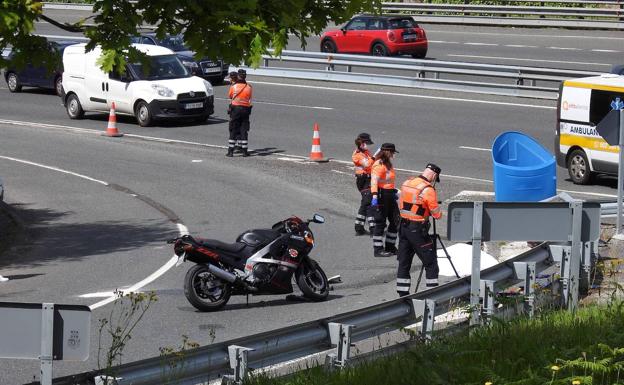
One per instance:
(286, 105)
(565, 48)
(163, 269)
(468, 193)
(196, 161)
(527, 59)
(520, 46)
(342, 172)
(475, 148)
(490, 44)
(528, 36)
(443, 42)
(605, 50)
(404, 95)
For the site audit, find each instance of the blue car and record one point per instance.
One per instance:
(38, 76)
(212, 70)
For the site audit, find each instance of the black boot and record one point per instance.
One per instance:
(230, 152)
(391, 249)
(381, 253)
(359, 230)
(245, 152)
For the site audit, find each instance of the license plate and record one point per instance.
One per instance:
(211, 70)
(410, 36)
(190, 106)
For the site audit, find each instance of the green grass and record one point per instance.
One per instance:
(555, 348)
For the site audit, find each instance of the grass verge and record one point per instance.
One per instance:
(558, 347)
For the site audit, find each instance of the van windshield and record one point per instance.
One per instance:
(161, 67)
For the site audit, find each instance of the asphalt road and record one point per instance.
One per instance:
(86, 237)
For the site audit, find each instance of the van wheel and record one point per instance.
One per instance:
(58, 85)
(74, 108)
(578, 167)
(13, 82)
(143, 114)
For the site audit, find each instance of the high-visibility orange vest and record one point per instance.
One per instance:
(240, 94)
(363, 162)
(419, 200)
(381, 177)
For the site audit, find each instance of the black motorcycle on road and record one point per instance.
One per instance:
(261, 261)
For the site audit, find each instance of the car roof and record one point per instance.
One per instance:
(148, 49)
(389, 17)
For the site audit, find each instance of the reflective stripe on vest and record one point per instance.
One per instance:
(414, 196)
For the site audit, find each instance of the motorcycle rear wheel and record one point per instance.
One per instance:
(205, 291)
(312, 281)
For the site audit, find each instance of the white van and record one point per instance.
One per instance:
(583, 103)
(166, 89)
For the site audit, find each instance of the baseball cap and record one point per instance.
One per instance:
(435, 169)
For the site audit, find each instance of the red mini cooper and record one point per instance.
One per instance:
(377, 35)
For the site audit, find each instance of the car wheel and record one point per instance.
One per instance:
(578, 167)
(13, 82)
(74, 108)
(379, 50)
(328, 46)
(420, 55)
(143, 114)
(58, 85)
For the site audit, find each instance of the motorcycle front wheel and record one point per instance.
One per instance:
(205, 291)
(312, 280)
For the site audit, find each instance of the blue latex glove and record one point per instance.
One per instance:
(374, 202)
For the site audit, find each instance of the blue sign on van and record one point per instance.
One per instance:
(617, 104)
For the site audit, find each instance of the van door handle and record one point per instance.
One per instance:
(102, 86)
(106, 86)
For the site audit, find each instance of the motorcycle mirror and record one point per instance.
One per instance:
(318, 218)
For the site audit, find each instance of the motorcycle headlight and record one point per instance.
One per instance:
(209, 90)
(162, 90)
(189, 64)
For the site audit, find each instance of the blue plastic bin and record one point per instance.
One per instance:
(524, 171)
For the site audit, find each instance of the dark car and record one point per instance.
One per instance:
(377, 35)
(38, 76)
(211, 70)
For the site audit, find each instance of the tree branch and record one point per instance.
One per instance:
(64, 26)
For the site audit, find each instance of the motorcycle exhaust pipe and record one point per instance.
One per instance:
(220, 273)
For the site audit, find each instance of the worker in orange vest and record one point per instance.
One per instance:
(384, 207)
(240, 108)
(418, 201)
(363, 162)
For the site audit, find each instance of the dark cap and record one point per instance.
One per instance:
(233, 74)
(242, 72)
(364, 137)
(388, 147)
(435, 169)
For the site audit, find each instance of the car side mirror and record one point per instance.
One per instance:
(318, 218)
(344, 30)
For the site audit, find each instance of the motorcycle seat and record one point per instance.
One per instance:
(227, 247)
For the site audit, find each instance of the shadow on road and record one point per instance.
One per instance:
(42, 237)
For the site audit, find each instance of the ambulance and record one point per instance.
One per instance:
(583, 103)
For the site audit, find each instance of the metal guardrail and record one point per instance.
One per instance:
(593, 14)
(264, 349)
(420, 73)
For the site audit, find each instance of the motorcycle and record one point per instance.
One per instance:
(261, 261)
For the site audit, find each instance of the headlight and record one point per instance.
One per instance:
(209, 90)
(162, 90)
(190, 64)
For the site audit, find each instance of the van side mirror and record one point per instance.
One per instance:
(318, 218)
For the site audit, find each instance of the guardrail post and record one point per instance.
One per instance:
(340, 336)
(238, 362)
(421, 74)
(265, 62)
(477, 223)
(47, 341)
(425, 309)
(486, 291)
(526, 271)
(575, 254)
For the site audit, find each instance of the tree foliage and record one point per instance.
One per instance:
(239, 31)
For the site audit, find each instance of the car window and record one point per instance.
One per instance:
(148, 40)
(601, 103)
(375, 24)
(135, 39)
(358, 24)
(406, 22)
(174, 43)
(123, 77)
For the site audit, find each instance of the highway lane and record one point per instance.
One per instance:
(548, 47)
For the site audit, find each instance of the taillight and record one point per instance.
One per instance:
(391, 36)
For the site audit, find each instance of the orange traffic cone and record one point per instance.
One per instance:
(316, 155)
(111, 130)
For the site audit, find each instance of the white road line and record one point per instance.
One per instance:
(342, 172)
(196, 161)
(475, 148)
(519, 46)
(465, 193)
(565, 48)
(287, 105)
(489, 44)
(163, 269)
(528, 59)
(606, 50)
(405, 95)
(443, 42)
(463, 33)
